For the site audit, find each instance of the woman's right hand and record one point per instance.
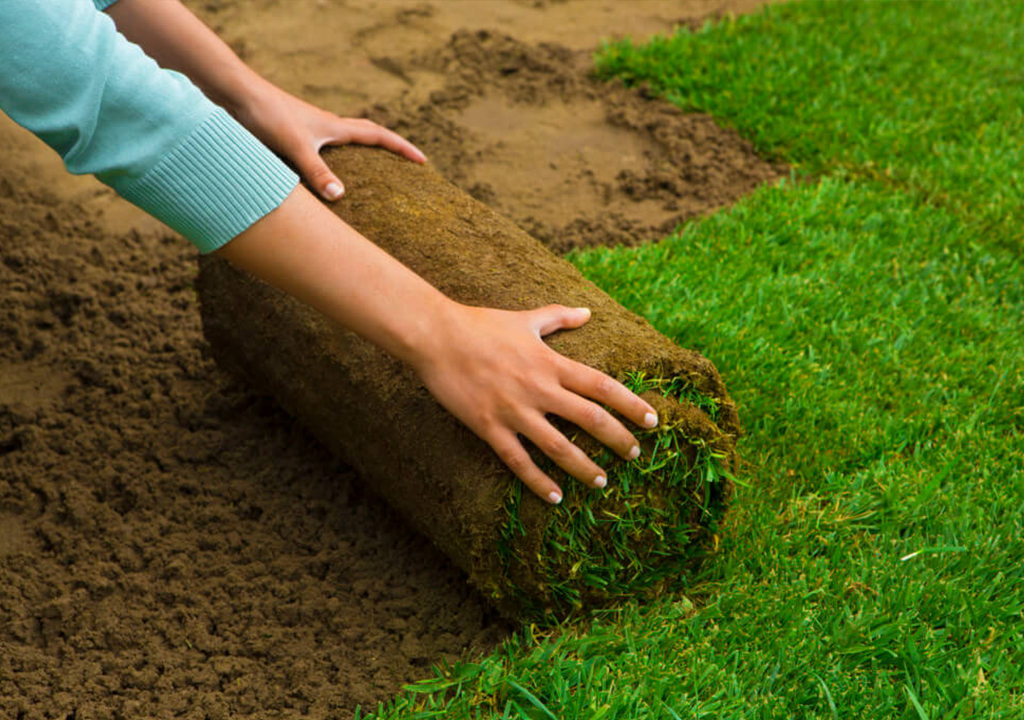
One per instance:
(491, 369)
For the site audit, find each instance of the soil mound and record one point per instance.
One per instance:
(170, 544)
(574, 161)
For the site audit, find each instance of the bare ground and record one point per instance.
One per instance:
(171, 545)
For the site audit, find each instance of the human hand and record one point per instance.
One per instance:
(178, 40)
(491, 370)
(297, 130)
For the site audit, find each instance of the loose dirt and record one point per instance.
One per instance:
(574, 161)
(172, 545)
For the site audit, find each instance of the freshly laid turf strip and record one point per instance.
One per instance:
(533, 559)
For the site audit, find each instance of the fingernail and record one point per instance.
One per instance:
(600, 481)
(554, 498)
(423, 158)
(585, 311)
(650, 420)
(333, 191)
(634, 453)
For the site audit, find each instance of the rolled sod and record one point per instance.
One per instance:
(636, 537)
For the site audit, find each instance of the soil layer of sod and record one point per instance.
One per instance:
(171, 545)
(534, 560)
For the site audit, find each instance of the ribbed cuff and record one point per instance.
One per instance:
(214, 185)
(103, 4)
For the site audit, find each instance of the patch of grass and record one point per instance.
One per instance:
(877, 556)
(817, 614)
(929, 96)
(636, 538)
(898, 321)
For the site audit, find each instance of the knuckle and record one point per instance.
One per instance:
(556, 445)
(604, 386)
(552, 394)
(488, 423)
(592, 416)
(319, 173)
(488, 427)
(516, 460)
(570, 369)
(506, 405)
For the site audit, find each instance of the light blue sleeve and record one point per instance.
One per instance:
(109, 110)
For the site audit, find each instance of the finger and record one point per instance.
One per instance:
(566, 455)
(367, 132)
(595, 385)
(599, 423)
(514, 455)
(547, 320)
(319, 176)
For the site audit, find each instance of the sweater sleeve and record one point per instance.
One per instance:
(109, 110)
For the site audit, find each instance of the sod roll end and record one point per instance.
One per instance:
(635, 537)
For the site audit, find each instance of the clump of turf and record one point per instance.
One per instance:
(533, 559)
(658, 515)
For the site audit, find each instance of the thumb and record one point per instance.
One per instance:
(547, 320)
(320, 177)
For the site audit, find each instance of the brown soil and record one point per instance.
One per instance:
(574, 161)
(170, 543)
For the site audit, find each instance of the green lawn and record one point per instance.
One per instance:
(927, 98)
(867, 316)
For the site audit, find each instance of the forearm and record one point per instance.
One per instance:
(178, 40)
(305, 250)
(109, 110)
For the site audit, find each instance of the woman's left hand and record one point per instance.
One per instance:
(297, 130)
(178, 40)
